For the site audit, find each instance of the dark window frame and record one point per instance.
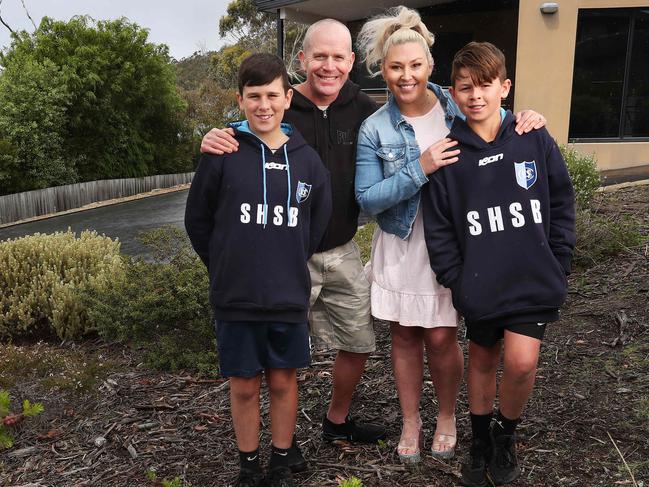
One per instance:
(633, 14)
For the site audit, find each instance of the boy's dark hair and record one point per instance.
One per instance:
(261, 69)
(484, 62)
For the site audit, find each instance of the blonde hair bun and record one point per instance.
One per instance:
(397, 26)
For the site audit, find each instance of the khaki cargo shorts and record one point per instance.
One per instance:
(339, 317)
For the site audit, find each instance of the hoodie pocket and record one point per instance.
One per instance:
(508, 279)
(393, 158)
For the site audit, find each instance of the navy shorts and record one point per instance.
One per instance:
(246, 348)
(487, 333)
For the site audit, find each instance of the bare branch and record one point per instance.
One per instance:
(4, 23)
(27, 12)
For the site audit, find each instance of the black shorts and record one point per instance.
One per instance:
(246, 348)
(487, 333)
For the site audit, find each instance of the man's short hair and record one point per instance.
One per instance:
(484, 62)
(262, 69)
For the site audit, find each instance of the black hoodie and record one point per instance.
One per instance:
(332, 133)
(257, 260)
(500, 224)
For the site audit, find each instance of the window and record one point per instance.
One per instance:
(610, 90)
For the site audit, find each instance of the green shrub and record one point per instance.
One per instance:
(584, 174)
(160, 305)
(41, 276)
(153, 478)
(7, 419)
(351, 482)
(600, 237)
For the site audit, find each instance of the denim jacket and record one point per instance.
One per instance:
(388, 173)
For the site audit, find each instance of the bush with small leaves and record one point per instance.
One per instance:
(600, 237)
(160, 305)
(584, 174)
(41, 276)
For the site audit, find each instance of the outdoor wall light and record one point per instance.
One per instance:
(549, 7)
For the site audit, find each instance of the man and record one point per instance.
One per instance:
(328, 109)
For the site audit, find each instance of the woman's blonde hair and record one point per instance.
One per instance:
(397, 26)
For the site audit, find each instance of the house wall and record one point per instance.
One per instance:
(544, 70)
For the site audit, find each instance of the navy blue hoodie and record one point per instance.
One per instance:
(257, 259)
(500, 224)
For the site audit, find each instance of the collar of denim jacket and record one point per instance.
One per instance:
(440, 93)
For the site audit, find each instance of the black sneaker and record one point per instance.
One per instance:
(503, 466)
(352, 431)
(280, 477)
(474, 472)
(249, 478)
(296, 461)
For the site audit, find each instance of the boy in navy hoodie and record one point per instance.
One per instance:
(499, 227)
(255, 217)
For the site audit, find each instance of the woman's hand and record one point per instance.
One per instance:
(219, 141)
(529, 120)
(438, 155)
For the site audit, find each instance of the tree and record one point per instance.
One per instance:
(248, 27)
(193, 70)
(208, 88)
(225, 65)
(255, 31)
(102, 102)
(209, 106)
(34, 98)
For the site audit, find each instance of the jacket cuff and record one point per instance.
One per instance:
(417, 173)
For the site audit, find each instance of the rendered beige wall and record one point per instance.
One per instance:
(544, 67)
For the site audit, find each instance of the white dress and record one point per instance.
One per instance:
(404, 287)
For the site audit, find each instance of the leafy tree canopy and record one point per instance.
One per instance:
(253, 31)
(248, 27)
(87, 100)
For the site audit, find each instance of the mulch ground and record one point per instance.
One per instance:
(587, 423)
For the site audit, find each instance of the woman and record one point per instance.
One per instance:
(390, 170)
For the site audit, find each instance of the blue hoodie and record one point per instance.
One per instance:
(500, 224)
(255, 217)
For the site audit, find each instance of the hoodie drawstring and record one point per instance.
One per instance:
(288, 183)
(288, 179)
(263, 168)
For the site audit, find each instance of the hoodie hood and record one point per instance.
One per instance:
(461, 132)
(244, 132)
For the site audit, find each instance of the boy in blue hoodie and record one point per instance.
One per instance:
(255, 217)
(499, 227)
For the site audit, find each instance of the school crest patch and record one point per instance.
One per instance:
(303, 191)
(525, 173)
